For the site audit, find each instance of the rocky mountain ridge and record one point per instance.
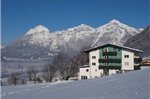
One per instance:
(40, 43)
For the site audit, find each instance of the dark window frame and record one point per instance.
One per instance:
(87, 70)
(94, 64)
(126, 56)
(83, 77)
(93, 57)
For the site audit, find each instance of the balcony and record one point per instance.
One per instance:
(109, 67)
(110, 53)
(137, 60)
(136, 56)
(109, 60)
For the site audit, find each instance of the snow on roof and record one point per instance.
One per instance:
(124, 47)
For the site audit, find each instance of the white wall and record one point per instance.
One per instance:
(83, 72)
(95, 72)
(127, 63)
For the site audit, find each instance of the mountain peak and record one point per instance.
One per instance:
(81, 27)
(37, 29)
(84, 26)
(113, 24)
(40, 27)
(114, 21)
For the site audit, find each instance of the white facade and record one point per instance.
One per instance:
(84, 72)
(127, 64)
(94, 64)
(127, 60)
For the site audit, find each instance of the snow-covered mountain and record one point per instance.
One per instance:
(40, 43)
(114, 32)
(37, 29)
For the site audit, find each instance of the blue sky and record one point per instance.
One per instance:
(18, 16)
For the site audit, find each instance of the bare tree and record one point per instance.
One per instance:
(3, 83)
(49, 72)
(13, 79)
(39, 80)
(61, 62)
(23, 81)
(68, 67)
(80, 59)
(32, 75)
(29, 75)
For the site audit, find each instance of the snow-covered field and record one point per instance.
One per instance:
(132, 85)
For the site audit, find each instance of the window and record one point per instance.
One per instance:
(87, 70)
(114, 49)
(126, 56)
(126, 63)
(83, 77)
(93, 63)
(118, 72)
(105, 50)
(93, 57)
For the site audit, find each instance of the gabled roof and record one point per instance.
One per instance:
(119, 46)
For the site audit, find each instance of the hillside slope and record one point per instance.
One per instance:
(141, 41)
(132, 85)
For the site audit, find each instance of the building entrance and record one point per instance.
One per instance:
(106, 71)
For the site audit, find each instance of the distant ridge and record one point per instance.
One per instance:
(39, 43)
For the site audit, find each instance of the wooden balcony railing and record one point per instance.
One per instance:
(109, 67)
(109, 60)
(111, 53)
(137, 60)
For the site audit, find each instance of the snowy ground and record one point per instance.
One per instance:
(132, 85)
